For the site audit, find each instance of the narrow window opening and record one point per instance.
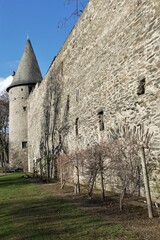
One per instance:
(76, 126)
(21, 89)
(141, 87)
(24, 109)
(67, 102)
(24, 145)
(60, 138)
(62, 68)
(101, 120)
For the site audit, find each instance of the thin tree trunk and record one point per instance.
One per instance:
(61, 173)
(146, 182)
(121, 200)
(77, 190)
(102, 186)
(55, 168)
(90, 192)
(139, 181)
(61, 176)
(5, 159)
(51, 169)
(41, 169)
(48, 172)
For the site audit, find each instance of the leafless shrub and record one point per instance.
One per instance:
(76, 159)
(63, 166)
(96, 165)
(128, 144)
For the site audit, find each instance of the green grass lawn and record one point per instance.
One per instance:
(28, 211)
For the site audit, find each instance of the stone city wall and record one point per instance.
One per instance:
(108, 65)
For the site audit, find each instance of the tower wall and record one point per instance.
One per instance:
(27, 75)
(18, 149)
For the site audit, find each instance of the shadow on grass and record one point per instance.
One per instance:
(33, 213)
(11, 179)
(49, 217)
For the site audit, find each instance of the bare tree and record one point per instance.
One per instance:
(54, 132)
(79, 7)
(128, 144)
(4, 114)
(124, 162)
(63, 165)
(76, 159)
(96, 164)
(144, 139)
(49, 146)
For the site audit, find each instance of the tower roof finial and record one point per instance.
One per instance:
(28, 38)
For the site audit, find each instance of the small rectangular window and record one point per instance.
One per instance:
(76, 126)
(101, 121)
(67, 102)
(24, 144)
(24, 109)
(141, 86)
(60, 138)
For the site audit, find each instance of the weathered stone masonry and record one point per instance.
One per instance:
(108, 66)
(27, 75)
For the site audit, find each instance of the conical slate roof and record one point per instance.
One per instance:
(28, 71)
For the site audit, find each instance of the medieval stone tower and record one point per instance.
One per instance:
(25, 79)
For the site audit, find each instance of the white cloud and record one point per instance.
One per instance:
(5, 82)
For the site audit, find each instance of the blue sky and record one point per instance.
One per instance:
(43, 21)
